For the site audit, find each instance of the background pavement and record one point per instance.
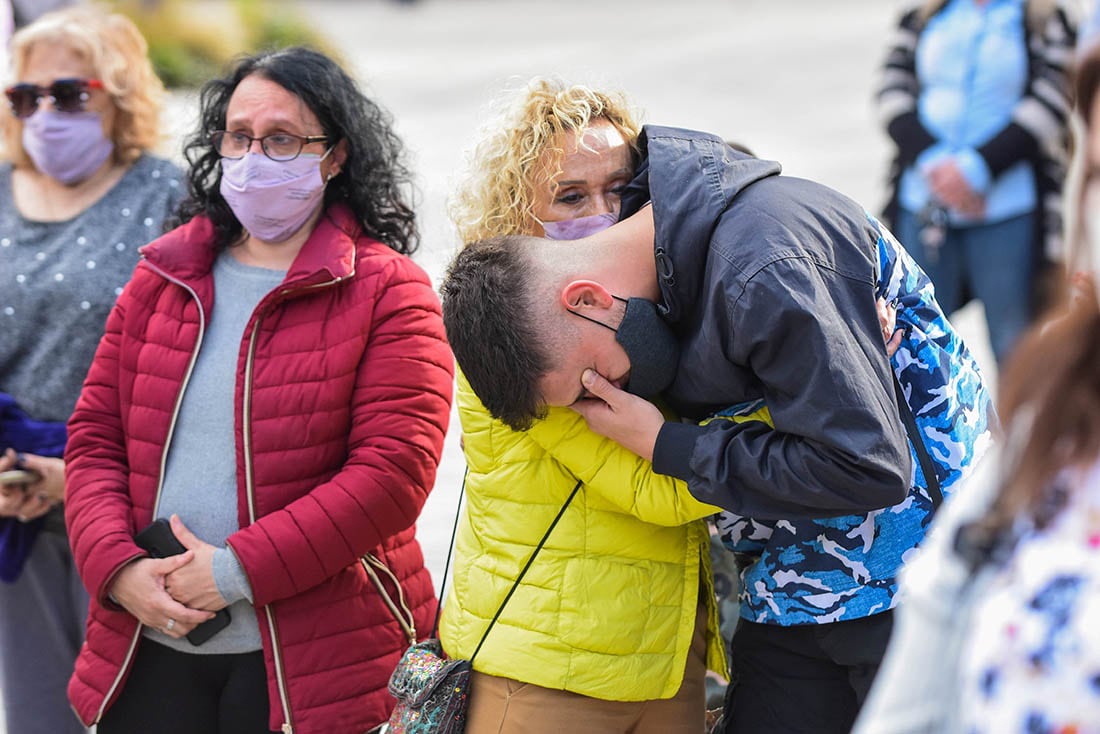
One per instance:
(792, 79)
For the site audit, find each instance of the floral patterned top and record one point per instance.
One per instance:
(1033, 663)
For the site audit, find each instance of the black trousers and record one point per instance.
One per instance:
(808, 679)
(170, 692)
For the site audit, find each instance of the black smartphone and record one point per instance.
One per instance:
(161, 542)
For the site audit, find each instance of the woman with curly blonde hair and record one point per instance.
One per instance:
(553, 152)
(613, 627)
(79, 194)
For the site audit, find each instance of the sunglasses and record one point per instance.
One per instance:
(66, 95)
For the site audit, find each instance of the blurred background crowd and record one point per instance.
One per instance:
(797, 81)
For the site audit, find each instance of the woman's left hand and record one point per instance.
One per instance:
(194, 585)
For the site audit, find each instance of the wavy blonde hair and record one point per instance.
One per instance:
(521, 150)
(118, 53)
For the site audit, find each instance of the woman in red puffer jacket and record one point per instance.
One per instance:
(276, 380)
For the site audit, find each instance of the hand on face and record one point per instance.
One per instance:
(629, 420)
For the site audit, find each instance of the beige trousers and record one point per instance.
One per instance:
(506, 706)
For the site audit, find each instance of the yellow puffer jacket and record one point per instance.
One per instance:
(608, 606)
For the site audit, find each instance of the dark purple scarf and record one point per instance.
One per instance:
(24, 434)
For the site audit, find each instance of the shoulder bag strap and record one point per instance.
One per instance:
(450, 552)
(927, 466)
(526, 566)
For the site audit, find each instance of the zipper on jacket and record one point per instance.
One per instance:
(246, 410)
(128, 659)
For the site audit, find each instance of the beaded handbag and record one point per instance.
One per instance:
(433, 691)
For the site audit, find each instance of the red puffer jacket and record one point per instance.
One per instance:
(343, 396)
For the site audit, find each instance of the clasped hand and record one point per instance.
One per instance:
(29, 501)
(174, 594)
(949, 185)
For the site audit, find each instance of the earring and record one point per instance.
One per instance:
(331, 175)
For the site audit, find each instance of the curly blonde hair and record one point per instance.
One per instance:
(521, 150)
(118, 53)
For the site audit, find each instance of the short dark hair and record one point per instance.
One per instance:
(493, 328)
(374, 181)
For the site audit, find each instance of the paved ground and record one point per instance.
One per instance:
(790, 78)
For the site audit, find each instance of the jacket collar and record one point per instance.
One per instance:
(692, 178)
(188, 252)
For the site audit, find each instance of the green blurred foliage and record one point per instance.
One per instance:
(191, 41)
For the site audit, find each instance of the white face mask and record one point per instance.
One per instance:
(273, 199)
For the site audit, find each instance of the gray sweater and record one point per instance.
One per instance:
(200, 479)
(59, 280)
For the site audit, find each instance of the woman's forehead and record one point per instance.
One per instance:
(259, 99)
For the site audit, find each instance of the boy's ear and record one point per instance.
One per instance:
(579, 295)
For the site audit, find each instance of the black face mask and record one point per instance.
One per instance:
(650, 345)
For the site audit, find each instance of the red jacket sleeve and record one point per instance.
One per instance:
(98, 509)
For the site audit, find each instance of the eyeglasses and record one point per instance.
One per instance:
(277, 146)
(66, 95)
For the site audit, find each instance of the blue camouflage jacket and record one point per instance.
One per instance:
(807, 571)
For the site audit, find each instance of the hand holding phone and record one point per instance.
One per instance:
(159, 540)
(19, 476)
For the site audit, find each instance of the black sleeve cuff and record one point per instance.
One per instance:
(911, 137)
(1009, 146)
(673, 449)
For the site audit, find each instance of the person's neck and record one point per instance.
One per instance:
(43, 198)
(627, 249)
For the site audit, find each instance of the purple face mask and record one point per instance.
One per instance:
(273, 199)
(67, 146)
(575, 229)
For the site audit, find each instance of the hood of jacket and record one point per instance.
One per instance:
(699, 177)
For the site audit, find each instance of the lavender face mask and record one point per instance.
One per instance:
(575, 229)
(66, 146)
(273, 199)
